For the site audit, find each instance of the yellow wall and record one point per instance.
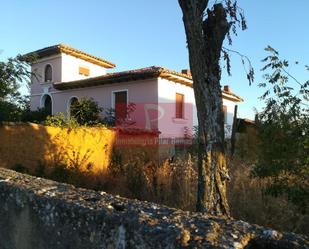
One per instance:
(31, 144)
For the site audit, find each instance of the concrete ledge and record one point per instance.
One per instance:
(43, 214)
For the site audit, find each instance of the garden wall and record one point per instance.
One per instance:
(27, 145)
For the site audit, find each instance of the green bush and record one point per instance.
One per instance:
(283, 132)
(86, 112)
(37, 116)
(59, 120)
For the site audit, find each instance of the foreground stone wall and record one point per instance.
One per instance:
(39, 213)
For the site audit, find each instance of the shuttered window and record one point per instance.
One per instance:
(120, 106)
(84, 71)
(179, 105)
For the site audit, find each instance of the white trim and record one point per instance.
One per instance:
(69, 104)
(44, 71)
(179, 77)
(230, 97)
(52, 102)
(62, 59)
(113, 96)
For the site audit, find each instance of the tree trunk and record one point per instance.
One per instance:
(205, 39)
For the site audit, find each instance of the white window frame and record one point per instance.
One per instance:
(113, 96)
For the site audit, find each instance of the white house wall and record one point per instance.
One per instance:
(167, 94)
(141, 93)
(230, 105)
(169, 125)
(38, 69)
(38, 86)
(70, 68)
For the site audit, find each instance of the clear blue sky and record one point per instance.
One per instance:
(141, 33)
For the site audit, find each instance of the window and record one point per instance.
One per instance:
(179, 105)
(225, 113)
(46, 103)
(48, 73)
(120, 105)
(84, 71)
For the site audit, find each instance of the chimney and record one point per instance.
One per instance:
(227, 88)
(186, 72)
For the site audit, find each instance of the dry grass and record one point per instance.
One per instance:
(174, 183)
(170, 183)
(248, 202)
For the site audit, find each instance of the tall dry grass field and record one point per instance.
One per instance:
(174, 183)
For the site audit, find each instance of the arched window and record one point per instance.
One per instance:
(48, 73)
(72, 101)
(47, 104)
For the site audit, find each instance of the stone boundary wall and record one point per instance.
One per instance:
(40, 214)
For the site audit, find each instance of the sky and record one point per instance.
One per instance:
(140, 33)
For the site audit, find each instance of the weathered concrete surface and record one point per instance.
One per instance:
(39, 213)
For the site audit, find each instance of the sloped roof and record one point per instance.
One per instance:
(124, 76)
(137, 74)
(63, 48)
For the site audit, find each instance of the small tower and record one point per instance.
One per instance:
(61, 63)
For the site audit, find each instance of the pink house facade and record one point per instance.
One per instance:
(163, 99)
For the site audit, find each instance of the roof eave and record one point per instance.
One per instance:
(176, 78)
(105, 80)
(87, 57)
(232, 97)
(57, 49)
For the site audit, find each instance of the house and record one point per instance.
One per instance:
(163, 99)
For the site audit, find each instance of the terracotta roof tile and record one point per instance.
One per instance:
(136, 74)
(62, 48)
(130, 75)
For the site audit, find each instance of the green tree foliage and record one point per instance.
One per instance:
(86, 111)
(13, 73)
(283, 128)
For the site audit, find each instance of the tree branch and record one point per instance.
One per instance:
(250, 74)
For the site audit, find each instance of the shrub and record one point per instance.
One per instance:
(86, 112)
(37, 116)
(283, 129)
(59, 120)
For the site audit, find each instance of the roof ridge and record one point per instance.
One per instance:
(65, 48)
